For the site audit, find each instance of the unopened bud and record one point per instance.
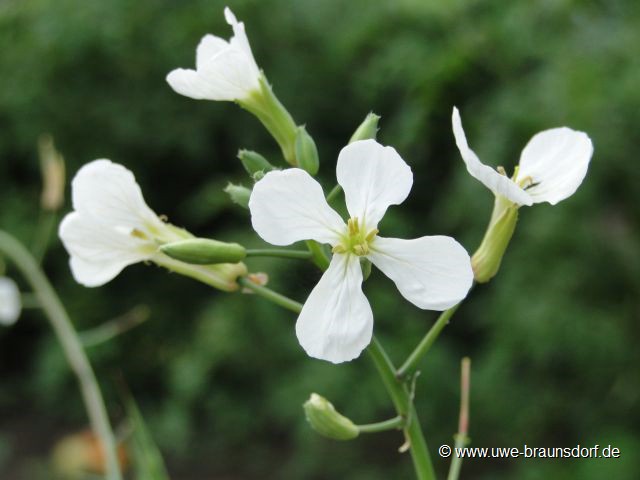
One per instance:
(203, 251)
(324, 419)
(368, 129)
(306, 151)
(53, 174)
(253, 162)
(238, 194)
(10, 301)
(486, 261)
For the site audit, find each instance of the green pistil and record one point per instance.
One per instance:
(356, 240)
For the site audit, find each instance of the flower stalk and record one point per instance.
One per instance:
(71, 346)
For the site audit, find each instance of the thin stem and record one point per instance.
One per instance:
(391, 424)
(335, 191)
(461, 437)
(44, 229)
(425, 344)
(112, 328)
(274, 297)
(279, 252)
(71, 346)
(404, 406)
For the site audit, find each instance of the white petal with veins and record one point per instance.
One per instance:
(433, 273)
(373, 178)
(336, 322)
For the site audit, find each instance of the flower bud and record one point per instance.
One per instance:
(306, 151)
(253, 162)
(486, 261)
(239, 194)
(368, 129)
(203, 251)
(53, 174)
(10, 301)
(324, 419)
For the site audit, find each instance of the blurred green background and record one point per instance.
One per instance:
(221, 378)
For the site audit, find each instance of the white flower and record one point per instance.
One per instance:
(225, 70)
(336, 321)
(112, 227)
(552, 166)
(10, 302)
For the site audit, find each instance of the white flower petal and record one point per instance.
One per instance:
(490, 178)
(373, 177)
(556, 160)
(239, 38)
(97, 253)
(107, 193)
(433, 273)
(289, 205)
(190, 84)
(336, 322)
(230, 75)
(209, 46)
(10, 301)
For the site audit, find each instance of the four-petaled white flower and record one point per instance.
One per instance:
(225, 70)
(10, 301)
(552, 166)
(336, 321)
(112, 227)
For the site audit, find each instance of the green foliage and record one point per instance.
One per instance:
(220, 378)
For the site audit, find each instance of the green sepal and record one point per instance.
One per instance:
(239, 194)
(306, 151)
(368, 129)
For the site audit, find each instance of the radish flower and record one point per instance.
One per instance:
(10, 301)
(225, 70)
(552, 166)
(112, 227)
(336, 321)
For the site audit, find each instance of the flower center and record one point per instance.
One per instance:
(356, 240)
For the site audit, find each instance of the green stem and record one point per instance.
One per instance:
(335, 191)
(397, 391)
(44, 229)
(462, 437)
(112, 328)
(404, 406)
(71, 346)
(427, 341)
(391, 424)
(268, 294)
(279, 252)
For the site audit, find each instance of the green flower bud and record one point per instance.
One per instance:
(306, 151)
(239, 194)
(368, 129)
(203, 251)
(253, 162)
(486, 260)
(324, 419)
